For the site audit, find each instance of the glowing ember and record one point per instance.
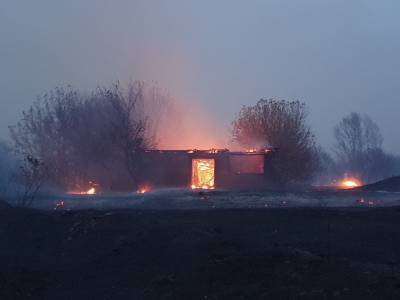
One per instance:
(349, 183)
(251, 150)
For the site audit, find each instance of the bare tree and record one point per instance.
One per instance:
(128, 126)
(31, 177)
(359, 148)
(44, 130)
(280, 124)
(354, 135)
(79, 138)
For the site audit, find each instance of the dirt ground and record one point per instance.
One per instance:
(278, 253)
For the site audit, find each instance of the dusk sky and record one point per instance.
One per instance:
(337, 56)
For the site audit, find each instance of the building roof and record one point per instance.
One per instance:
(262, 151)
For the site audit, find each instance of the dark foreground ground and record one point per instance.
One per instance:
(288, 253)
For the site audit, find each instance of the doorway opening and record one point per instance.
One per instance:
(203, 174)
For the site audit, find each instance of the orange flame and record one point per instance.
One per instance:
(349, 183)
(251, 150)
(214, 151)
(91, 191)
(203, 174)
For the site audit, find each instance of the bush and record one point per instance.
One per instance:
(279, 124)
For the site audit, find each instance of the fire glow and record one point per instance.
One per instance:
(251, 150)
(91, 191)
(349, 183)
(143, 189)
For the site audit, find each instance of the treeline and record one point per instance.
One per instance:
(282, 124)
(67, 139)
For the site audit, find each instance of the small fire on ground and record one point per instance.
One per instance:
(92, 190)
(143, 189)
(349, 183)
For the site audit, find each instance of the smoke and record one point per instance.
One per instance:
(194, 129)
(176, 125)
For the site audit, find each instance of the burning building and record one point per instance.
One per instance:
(208, 169)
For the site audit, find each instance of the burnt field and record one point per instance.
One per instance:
(183, 199)
(225, 253)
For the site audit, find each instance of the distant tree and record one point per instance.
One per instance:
(80, 138)
(359, 148)
(279, 124)
(354, 135)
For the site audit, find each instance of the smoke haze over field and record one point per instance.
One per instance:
(213, 56)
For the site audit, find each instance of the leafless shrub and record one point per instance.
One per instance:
(31, 178)
(79, 138)
(280, 124)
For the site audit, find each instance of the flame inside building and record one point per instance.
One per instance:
(208, 169)
(203, 173)
(197, 169)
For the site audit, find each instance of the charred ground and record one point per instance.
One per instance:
(304, 253)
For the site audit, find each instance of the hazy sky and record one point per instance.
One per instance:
(337, 56)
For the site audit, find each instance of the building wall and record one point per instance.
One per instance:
(173, 169)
